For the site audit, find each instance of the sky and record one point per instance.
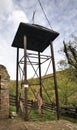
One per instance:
(62, 15)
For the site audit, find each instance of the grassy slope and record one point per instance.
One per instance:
(66, 86)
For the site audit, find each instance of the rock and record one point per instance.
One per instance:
(14, 114)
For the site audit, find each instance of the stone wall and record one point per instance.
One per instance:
(4, 92)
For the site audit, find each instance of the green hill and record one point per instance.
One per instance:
(67, 88)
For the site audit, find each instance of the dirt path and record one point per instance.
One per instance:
(13, 124)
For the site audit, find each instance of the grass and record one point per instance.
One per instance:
(47, 116)
(34, 116)
(12, 109)
(71, 119)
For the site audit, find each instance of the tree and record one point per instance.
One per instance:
(68, 67)
(70, 50)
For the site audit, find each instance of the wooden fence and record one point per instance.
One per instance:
(34, 105)
(70, 111)
(12, 100)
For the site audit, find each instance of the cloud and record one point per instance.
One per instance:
(11, 16)
(62, 15)
(6, 6)
(7, 57)
(16, 17)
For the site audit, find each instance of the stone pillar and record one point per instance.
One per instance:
(4, 93)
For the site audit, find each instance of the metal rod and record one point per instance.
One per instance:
(21, 59)
(33, 67)
(32, 55)
(48, 67)
(17, 104)
(40, 55)
(46, 93)
(45, 60)
(32, 62)
(25, 78)
(33, 91)
(21, 69)
(46, 77)
(36, 72)
(55, 81)
(39, 62)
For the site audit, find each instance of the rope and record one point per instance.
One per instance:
(44, 13)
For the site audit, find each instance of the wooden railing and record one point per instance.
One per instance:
(12, 100)
(49, 106)
(71, 111)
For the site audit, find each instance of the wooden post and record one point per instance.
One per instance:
(55, 81)
(25, 78)
(17, 103)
